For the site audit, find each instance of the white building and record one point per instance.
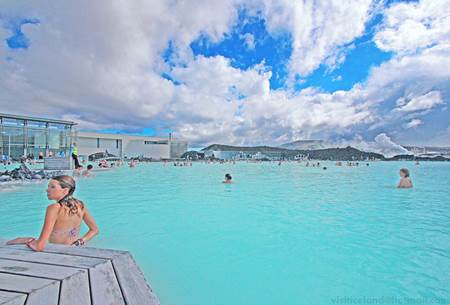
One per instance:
(129, 146)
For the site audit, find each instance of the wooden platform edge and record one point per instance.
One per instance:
(135, 288)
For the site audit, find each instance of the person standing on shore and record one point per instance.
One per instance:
(75, 155)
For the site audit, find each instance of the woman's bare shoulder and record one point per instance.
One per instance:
(54, 206)
(53, 210)
(82, 205)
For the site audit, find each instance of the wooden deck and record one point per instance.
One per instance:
(64, 275)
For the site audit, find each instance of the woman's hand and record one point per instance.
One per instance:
(34, 245)
(79, 242)
(49, 222)
(19, 241)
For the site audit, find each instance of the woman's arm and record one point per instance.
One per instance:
(19, 240)
(90, 222)
(50, 218)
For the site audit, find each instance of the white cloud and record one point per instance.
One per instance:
(264, 116)
(93, 125)
(320, 29)
(411, 75)
(214, 76)
(249, 40)
(105, 72)
(414, 83)
(382, 144)
(423, 102)
(409, 27)
(280, 114)
(413, 123)
(101, 68)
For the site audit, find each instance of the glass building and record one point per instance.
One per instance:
(22, 136)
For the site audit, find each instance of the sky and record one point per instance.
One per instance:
(369, 73)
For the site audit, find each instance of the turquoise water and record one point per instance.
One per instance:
(280, 235)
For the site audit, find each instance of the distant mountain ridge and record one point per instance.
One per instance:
(221, 147)
(306, 144)
(343, 154)
(347, 153)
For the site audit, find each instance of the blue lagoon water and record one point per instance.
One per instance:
(280, 235)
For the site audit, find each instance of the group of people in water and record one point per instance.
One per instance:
(80, 171)
(405, 179)
(65, 215)
(178, 163)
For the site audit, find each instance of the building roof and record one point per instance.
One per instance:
(36, 119)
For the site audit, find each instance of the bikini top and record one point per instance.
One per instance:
(71, 233)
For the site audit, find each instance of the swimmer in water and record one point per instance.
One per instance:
(78, 170)
(405, 180)
(88, 171)
(227, 179)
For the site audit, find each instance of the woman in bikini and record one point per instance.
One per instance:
(63, 218)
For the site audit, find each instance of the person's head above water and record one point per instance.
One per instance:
(228, 177)
(404, 173)
(89, 167)
(61, 189)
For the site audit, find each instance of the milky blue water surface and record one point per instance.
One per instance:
(280, 235)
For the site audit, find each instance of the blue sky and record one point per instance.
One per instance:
(245, 72)
(18, 40)
(274, 50)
